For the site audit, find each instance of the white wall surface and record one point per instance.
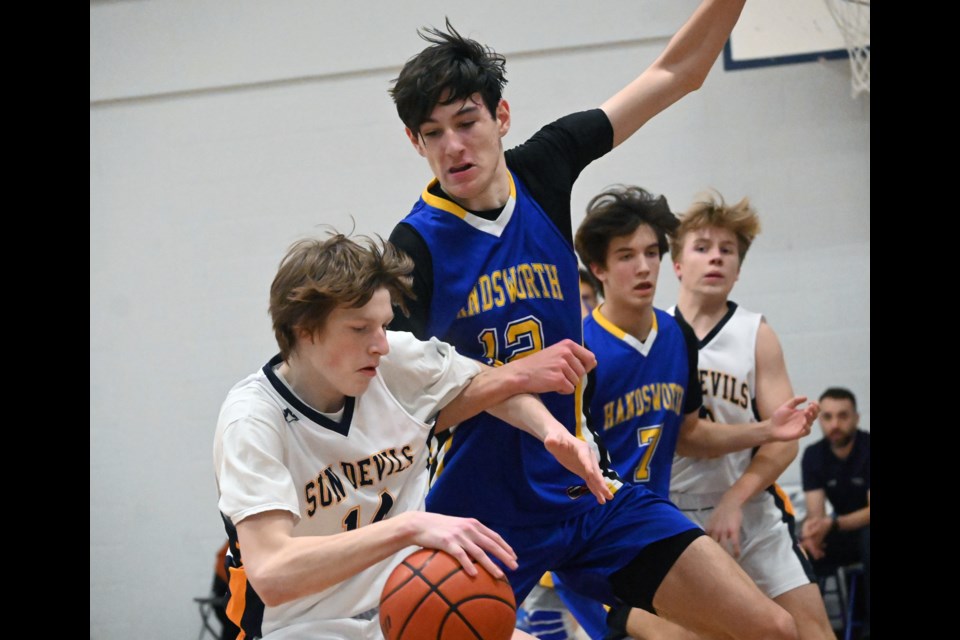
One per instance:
(222, 131)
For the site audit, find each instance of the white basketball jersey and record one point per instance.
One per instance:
(727, 363)
(274, 452)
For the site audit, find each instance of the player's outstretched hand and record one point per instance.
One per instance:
(558, 368)
(577, 456)
(789, 422)
(466, 539)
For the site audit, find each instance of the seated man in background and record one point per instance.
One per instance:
(837, 468)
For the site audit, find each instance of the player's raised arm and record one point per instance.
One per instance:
(679, 70)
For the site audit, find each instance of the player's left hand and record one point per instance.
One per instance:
(789, 422)
(577, 456)
(724, 526)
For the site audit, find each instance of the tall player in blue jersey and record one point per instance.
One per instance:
(496, 275)
(644, 397)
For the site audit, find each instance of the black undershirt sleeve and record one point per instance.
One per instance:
(408, 240)
(553, 158)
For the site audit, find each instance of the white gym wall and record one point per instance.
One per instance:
(222, 131)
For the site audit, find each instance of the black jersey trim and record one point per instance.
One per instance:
(731, 309)
(343, 428)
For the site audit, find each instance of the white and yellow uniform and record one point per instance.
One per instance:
(769, 552)
(333, 472)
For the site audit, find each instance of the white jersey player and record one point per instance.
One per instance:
(321, 456)
(744, 378)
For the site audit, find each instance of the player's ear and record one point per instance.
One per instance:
(415, 140)
(678, 270)
(597, 270)
(503, 117)
(304, 335)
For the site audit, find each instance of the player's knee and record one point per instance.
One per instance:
(779, 625)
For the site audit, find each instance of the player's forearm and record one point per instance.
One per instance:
(707, 439)
(528, 413)
(695, 47)
(680, 69)
(300, 566)
(770, 461)
(491, 386)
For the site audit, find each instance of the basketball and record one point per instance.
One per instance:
(429, 596)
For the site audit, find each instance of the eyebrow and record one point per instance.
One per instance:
(709, 239)
(468, 107)
(627, 248)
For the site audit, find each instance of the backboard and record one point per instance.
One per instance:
(772, 32)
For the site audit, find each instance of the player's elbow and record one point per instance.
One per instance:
(270, 597)
(792, 448)
(684, 449)
(686, 78)
(271, 587)
(692, 82)
(692, 449)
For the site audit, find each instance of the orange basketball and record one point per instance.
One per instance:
(429, 596)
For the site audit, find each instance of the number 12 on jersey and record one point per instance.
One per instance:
(521, 338)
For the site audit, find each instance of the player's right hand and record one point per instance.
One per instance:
(577, 456)
(466, 539)
(723, 525)
(559, 368)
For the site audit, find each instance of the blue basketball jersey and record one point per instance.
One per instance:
(637, 403)
(517, 293)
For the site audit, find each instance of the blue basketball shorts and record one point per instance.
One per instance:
(587, 549)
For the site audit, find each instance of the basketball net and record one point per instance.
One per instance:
(853, 18)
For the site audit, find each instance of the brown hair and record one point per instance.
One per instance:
(618, 211)
(450, 70)
(709, 210)
(840, 393)
(316, 276)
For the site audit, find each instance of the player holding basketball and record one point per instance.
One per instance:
(497, 277)
(321, 456)
(744, 378)
(644, 397)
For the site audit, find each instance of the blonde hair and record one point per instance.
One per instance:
(710, 210)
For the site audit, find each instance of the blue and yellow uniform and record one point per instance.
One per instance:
(511, 303)
(640, 396)
(499, 285)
